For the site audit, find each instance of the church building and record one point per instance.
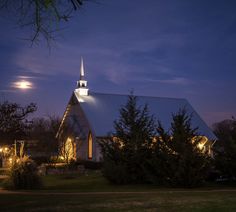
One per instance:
(89, 117)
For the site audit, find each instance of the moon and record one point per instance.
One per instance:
(23, 84)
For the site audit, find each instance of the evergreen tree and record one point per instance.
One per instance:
(187, 164)
(225, 148)
(125, 155)
(159, 166)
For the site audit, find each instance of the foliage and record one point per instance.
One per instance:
(92, 165)
(115, 165)
(225, 148)
(182, 163)
(23, 174)
(13, 121)
(41, 16)
(126, 154)
(140, 153)
(43, 133)
(66, 150)
(65, 138)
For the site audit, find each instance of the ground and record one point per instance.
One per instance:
(93, 193)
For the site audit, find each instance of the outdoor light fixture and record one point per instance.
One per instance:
(61, 157)
(10, 160)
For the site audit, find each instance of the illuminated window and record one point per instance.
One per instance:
(90, 146)
(68, 150)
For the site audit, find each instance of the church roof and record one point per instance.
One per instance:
(102, 110)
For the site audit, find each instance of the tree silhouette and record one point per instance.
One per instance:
(13, 121)
(43, 134)
(225, 148)
(186, 164)
(125, 155)
(41, 16)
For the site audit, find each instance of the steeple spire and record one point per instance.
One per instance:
(81, 69)
(82, 83)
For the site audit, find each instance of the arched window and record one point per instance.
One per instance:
(68, 153)
(90, 146)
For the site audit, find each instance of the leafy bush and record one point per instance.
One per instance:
(23, 175)
(40, 160)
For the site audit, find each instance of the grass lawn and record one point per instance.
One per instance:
(78, 193)
(161, 201)
(93, 181)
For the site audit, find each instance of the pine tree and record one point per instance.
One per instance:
(187, 164)
(225, 148)
(159, 166)
(126, 154)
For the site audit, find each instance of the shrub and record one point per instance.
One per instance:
(23, 175)
(116, 172)
(40, 160)
(90, 164)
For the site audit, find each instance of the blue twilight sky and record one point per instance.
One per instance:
(167, 48)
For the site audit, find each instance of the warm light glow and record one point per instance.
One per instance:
(90, 146)
(1, 149)
(117, 140)
(202, 143)
(23, 84)
(61, 157)
(69, 150)
(6, 149)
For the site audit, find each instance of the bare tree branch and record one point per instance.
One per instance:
(43, 17)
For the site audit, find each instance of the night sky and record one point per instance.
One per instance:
(165, 48)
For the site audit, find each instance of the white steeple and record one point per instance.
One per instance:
(82, 84)
(81, 69)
